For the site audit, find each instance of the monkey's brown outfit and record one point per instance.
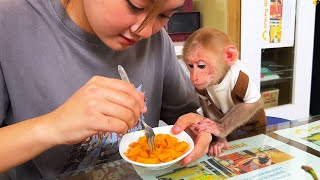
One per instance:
(236, 87)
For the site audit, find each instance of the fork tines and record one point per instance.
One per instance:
(152, 142)
(151, 139)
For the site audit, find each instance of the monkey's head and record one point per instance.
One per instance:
(208, 54)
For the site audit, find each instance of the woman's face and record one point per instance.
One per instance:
(115, 21)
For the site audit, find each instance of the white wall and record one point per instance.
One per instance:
(251, 30)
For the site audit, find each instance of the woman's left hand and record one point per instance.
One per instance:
(202, 140)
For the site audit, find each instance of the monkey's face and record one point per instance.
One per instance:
(205, 68)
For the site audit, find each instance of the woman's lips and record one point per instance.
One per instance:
(126, 41)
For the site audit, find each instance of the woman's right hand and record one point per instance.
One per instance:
(102, 104)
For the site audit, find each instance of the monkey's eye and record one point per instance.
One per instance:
(190, 65)
(201, 66)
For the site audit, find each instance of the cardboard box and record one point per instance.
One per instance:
(270, 97)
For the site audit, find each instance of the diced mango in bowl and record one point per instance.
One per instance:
(167, 148)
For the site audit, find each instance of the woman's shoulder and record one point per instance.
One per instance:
(11, 14)
(15, 10)
(15, 14)
(21, 7)
(8, 6)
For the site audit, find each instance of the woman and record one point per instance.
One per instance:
(60, 86)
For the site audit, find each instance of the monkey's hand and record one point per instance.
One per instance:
(209, 126)
(215, 148)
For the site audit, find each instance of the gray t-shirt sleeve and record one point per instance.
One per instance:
(179, 95)
(4, 100)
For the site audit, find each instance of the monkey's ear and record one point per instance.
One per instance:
(230, 54)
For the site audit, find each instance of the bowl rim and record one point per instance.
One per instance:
(191, 147)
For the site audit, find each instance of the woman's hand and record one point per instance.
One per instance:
(102, 104)
(201, 139)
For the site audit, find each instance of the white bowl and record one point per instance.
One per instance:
(129, 138)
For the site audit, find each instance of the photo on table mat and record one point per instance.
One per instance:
(188, 173)
(308, 134)
(249, 160)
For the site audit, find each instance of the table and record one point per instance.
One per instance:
(120, 169)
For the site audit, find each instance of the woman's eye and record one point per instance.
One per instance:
(190, 65)
(164, 16)
(201, 66)
(133, 7)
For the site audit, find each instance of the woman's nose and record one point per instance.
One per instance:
(145, 32)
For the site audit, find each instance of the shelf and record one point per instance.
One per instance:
(279, 74)
(277, 84)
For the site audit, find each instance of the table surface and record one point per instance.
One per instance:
(121, 169)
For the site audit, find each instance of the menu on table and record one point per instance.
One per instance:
(308, 134)
(257, 157)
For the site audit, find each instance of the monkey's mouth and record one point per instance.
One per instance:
(200, 86)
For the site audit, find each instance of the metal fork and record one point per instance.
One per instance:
(149, 133)
(151, 138)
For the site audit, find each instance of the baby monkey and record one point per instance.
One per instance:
(228, 96)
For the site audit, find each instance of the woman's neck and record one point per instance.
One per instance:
(75, 10)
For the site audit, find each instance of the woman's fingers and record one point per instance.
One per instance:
(186, 121)
(110, 124)
(201, 147)
(122, 86)
(116, 98)
(102, 104)
(116, 112)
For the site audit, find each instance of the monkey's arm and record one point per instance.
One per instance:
(240, 114)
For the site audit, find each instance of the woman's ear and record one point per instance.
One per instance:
(230, 54)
